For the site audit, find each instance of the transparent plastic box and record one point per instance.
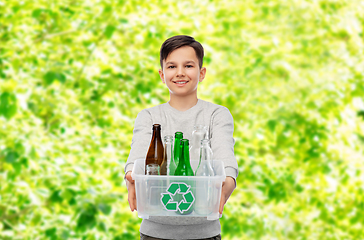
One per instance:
(194, 196)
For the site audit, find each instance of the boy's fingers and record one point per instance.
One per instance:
(227, 188)
(222, 203)
(132, 205)
(129, 178)
(132, 198)
(131, 192)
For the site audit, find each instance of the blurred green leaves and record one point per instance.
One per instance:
(74, 77)
(8, 104)
(49, 77)
(109, 31)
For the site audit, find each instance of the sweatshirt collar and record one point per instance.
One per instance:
(199, 102)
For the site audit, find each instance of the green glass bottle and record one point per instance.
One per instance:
(186, 195)
(177, 147)
(184, 167)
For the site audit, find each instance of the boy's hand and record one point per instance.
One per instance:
(130, 185)
(227, 189)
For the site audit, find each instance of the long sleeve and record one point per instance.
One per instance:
(221, 126)
(141, 139)
(222, 141)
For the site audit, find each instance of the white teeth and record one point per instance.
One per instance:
(180, 82)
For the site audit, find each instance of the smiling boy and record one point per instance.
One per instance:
(181, 72)
(181, 60)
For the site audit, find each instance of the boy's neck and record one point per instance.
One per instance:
(182, 103)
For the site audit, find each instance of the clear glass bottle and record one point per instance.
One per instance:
(204, 195)
(168, 167)
(205, 165)
(199, 133)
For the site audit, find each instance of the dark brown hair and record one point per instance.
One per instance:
(178, 41)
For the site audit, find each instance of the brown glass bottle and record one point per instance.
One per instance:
(155, 153)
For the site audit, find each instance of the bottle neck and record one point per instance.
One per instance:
(205, 145)
(156, 133)
(196, 139)
(199, 133)
(177, 147)
(206, 152)
(185, 154)
(200, 128)
(168, 139)
(156, 136)
(178, 135)
(168, 143)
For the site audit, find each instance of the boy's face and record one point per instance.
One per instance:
(181, 72)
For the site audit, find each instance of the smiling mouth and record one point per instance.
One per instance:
(180, 82)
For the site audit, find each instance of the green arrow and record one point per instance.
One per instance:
(183, 206)
(173, 188)
(189, 197)
(172, 206)
(178, 188)
(183, 187)
(165, 199)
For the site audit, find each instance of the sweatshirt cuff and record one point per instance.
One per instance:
(128, 168)
(231, 172)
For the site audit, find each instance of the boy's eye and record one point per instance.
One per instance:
(189, 66)
(171, 66)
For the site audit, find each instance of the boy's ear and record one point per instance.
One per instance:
(161, 74)
(202, 74)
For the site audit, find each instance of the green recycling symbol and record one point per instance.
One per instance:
(173, 189)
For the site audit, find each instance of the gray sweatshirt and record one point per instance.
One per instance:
(221, 128)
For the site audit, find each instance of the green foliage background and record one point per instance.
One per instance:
(74, 75)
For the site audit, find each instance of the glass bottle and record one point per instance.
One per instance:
(205, 165)
(204, 195)
(177, 147)
(184, 169)
(168, 167)
(199, 133)
(155, 153)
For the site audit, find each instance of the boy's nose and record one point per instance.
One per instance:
(180, 72)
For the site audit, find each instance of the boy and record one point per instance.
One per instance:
(181, 59)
